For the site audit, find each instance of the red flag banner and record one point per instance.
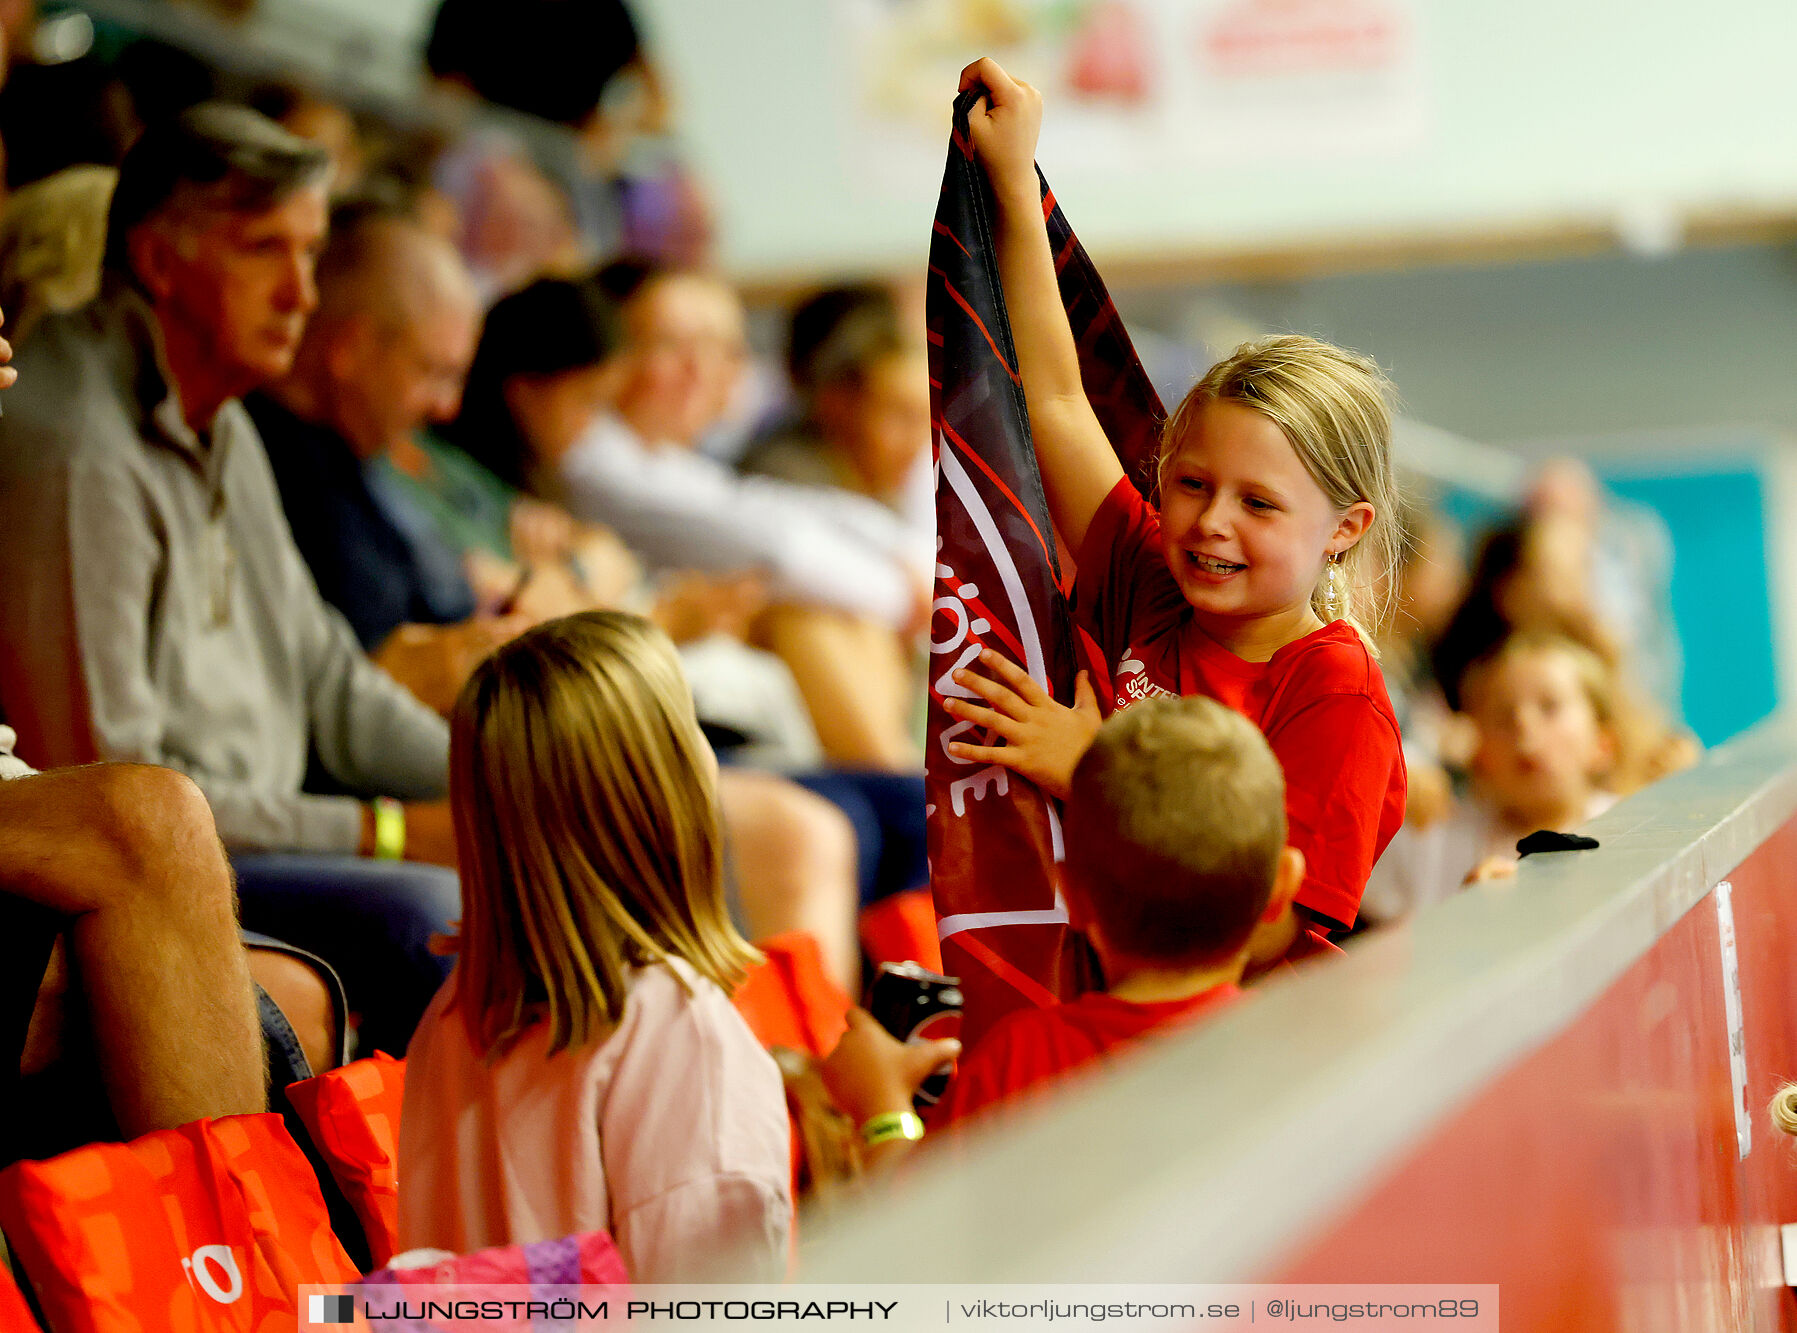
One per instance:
(994, 838)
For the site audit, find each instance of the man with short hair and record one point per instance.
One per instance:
(384, 355)
(156, 607)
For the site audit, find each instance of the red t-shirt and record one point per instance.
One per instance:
(1031, 1047)
(1320, 700)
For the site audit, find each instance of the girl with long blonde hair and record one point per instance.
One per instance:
(583, 1068)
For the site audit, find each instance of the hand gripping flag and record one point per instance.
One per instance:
(995, 838)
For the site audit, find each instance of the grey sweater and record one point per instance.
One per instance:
(157, 609)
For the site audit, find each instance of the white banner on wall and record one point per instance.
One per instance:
(1139, 84)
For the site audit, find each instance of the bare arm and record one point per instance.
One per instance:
(872, 1073)
(1079, 467)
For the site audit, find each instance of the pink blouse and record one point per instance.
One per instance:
(671, 1133)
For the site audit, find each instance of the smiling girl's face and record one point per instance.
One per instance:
(1246, 530)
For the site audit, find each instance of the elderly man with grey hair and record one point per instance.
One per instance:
(157, 609)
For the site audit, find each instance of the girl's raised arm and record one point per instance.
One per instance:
(1079, 467)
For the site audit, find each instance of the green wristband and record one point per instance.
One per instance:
(890, 1125)
(389, 829)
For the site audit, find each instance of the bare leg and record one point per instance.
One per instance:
(853, 678)
(794, 854)
(130, 854)
(304, 999)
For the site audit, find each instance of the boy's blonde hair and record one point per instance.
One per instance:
(1175, 822)
(587, 830)
(1335, 407)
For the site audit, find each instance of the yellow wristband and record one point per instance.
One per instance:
(890, 1125)
(389, 829)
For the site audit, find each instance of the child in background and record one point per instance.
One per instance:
(1531, 575)
(1545, 709)
(1169, 891)
(1276, 518)
(583, 1068)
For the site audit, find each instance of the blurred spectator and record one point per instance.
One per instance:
(518, 550)
(1546, 710)
(582, 66)
(58, 112)
(516, 223)
(818, 321)
(849, 581)
(546, 366)
(52, 241)
(1522, 578)
(324, 122)
(384, 353)
(548, 58)
(864, 393)
(1622, 553)
(1534, 574)
(168, 616)
(775, 399)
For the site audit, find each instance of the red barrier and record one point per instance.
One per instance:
(1597, 1182)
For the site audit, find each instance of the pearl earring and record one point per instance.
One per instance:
(1334, 588)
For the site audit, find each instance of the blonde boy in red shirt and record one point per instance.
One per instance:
(1176, 858)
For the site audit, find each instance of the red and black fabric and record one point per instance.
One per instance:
(994, 839)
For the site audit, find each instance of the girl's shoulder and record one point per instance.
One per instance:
(1332, 660)
(672, 984)
(669, 995)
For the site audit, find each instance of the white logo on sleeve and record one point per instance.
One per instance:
(1132, 683)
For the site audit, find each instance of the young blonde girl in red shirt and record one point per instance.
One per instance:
(1250, 581)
